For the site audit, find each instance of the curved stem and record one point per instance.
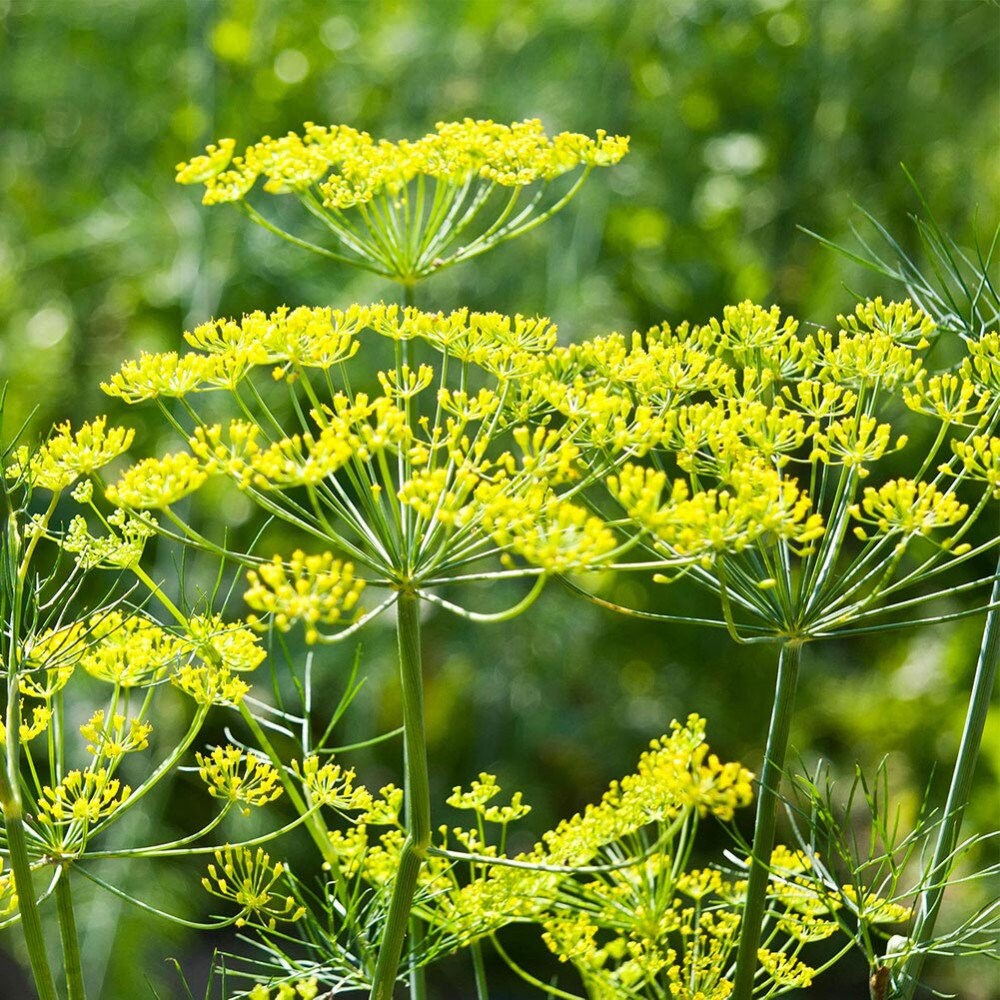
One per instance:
(70, 939)
(936, 877)
(767, 813)
(491, 617)
(418, 806)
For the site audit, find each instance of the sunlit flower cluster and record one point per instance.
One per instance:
(351, 168)
(238, 777)
(315, 589)
(67, 454)
(741, 450)
(115, 737)
(248, 879)
(400, 208)
(408, 483)
(82, 797)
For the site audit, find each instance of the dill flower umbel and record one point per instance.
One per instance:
(408, 486)
(407, 209)
(742, 451)
(249, 880)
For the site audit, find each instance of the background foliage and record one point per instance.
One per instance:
(748, 118)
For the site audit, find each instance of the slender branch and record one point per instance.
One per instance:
(936, 878)
(70, 939)
(418, 807)
(767, 812)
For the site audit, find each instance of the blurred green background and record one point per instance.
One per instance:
(748, 119)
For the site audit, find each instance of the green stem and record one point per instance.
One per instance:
(418, 805)
(767, 814)
(20, 864)
(70, 939)
(936, 878)
(479, 967)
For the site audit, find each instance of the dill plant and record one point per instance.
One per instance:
(958, 288)
(418, 485)
(65, 786)
(741, 454)
(736, 455)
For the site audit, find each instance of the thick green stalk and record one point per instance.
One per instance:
(766, 819)
(418, 803)
(936, 878)
(31, 925)
(70, 939)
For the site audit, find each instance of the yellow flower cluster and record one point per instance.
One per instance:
(83, 797)
(249, 880)
(236, 776)
(980, 457)
(480, 793)
(68, 455)
(120, 548)
(350, 168)
(157, 482)
(314, 589)
(41, 716)
(8, 893)
(50, 658)
(330, 785)
(908, 507)
(130, 650)
(114, 738)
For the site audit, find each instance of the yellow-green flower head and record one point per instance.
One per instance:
(116, 737)
(314, 589)
(306, 989)
(302, 459)
(155, 375)
(677, 774)
(351, 168)
(158, 482)
(863, 357)
(232, 458)
(980, 458)
(130, 650)
(228, 645)
(41, 716)
(67, 455)
(854, 442)
(313, 337)
(120, 548)
(899, 320)
(481, 792)
(373, 195)
(236, 776)
(82, 797)
(331, 785)
(785, 970)
(210, 685)
(554, 534)
(249, 880)
(820, 399)
(668, 368)
(873, 909)
(748, 328)
(950, 398)
(50, 658)
(908, 507)
(8, 893)
(982, 366)
(758, 505)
